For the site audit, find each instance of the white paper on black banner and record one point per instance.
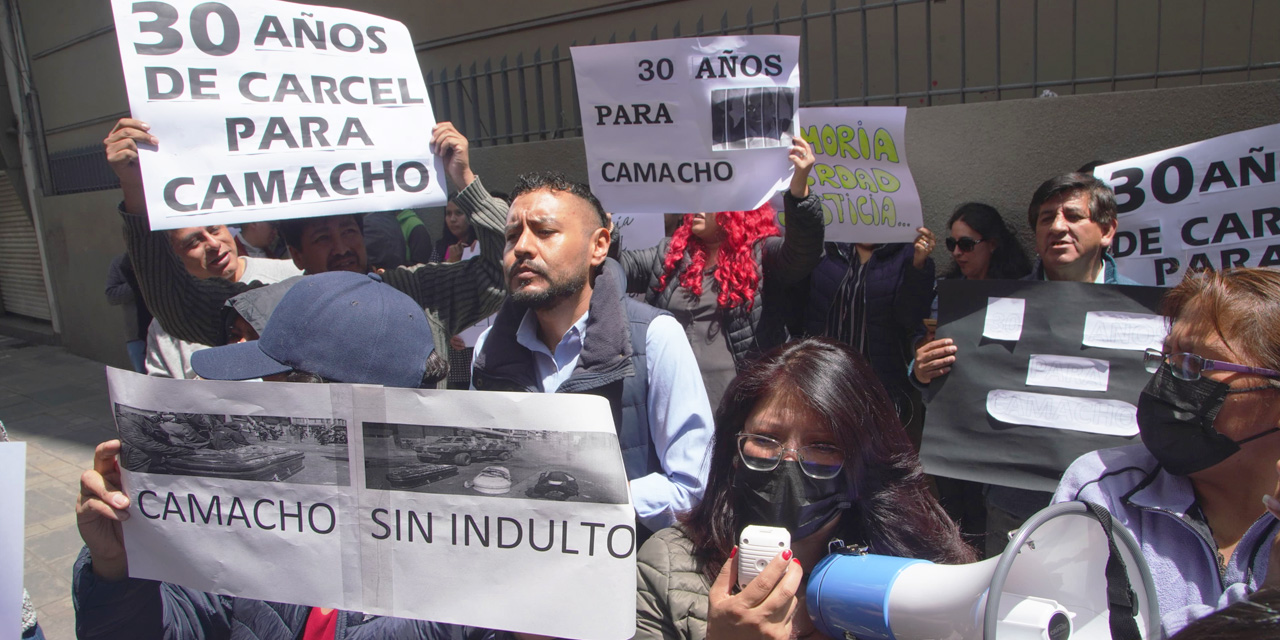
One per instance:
(268, 110)
(861, 174)
(688, 125)
(453, 506)
(1210, 204)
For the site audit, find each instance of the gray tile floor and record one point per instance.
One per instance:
(56, 403)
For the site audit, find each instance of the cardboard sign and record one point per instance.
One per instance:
(868, 194)
(1019, 406)
(268, 110)
(452, 506)
(688, 125)
(1212, 204)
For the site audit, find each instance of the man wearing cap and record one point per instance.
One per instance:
(569, 327)
(300, 342)
(454, 296)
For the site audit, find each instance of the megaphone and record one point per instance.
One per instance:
(1066, 574)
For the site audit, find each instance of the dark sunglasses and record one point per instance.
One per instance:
(966, 244)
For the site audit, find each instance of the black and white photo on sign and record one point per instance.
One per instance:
(241, 447)
(753, 118)
(534, 464)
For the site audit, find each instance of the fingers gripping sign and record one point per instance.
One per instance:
(100, 509)
(934, 359)
(763, 610)
(121, 147)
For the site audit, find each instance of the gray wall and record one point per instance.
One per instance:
(996, 152)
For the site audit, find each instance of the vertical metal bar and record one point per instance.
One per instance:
(1075, 6)
(573, 92)
(1035, 46)
(506, 98)
(1115, 42)
(928, 54)
(804, 51)
(1248, 74)
(524, 96)
(835, 56)
(896, 80)
(481, 131)
(964, 69)
(633, 36)
(999, 37)
(866, 64)
(541, 96)
(675, 31)
(751, 21)
(431, 89)
(1204, 17)
(462, 103)
(1159, 38)
(653, 35)
(697, 27)
(777, 19)
(493, 99)
(557, 97)
(724, 23)
(444, 96)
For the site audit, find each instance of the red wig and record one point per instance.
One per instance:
(736, 270)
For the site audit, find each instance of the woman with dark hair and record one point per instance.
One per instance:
(805, 439)
(725, 275)
(458, 235)
(982, 245)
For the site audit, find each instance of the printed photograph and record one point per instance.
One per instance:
(542, 465)
(263, 448)
(754, 118)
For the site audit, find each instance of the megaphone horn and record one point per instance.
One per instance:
(1061, 577)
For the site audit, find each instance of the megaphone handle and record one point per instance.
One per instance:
(1120, 597)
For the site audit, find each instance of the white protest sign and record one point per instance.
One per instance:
(1211, 204)
(639, 231)
(453, 506)
(688, 125)
(861, 174)
(267, 110)
(13, 477)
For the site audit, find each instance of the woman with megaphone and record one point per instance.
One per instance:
(1210, 425)
(806, 440)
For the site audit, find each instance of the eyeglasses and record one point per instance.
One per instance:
(762, 453)
(1187, 366)
(966, 244)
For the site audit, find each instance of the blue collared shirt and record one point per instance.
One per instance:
(680, 423)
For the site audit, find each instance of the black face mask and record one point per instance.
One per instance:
(786, 497)
(1175, 418)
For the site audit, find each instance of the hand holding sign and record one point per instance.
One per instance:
(100, 509)
(802, 159)
(122, 154)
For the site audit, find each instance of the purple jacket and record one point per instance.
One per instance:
(1158, 509)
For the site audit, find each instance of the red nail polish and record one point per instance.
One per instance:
(733, 552)
(786, 555)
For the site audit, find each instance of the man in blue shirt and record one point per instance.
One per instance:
(569, 327)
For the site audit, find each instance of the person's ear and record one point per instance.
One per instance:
(296, 256)
(1108, 234)
(599, 246)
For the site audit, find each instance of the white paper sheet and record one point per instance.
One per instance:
(639, 231)
(688, 124)
(13, 477)
(1004, 318)
(263, 122)
(1068, 372)
(1091, 415)
(453, 506)
(1120, 330)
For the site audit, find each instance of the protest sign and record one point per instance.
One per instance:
(13, 477)
(1212, 204)
(267, 110)
(688, 125)
(861, 174)
(639, 231)
(496, 510)
(1023, 405)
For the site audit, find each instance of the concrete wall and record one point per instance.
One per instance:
(82, 234)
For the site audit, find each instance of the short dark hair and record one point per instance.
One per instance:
(1102, 201)
(556, 181)
(291, 230)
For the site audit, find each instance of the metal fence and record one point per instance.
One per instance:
(79, 170)
(933, 53)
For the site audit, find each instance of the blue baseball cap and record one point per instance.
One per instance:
(341, 326)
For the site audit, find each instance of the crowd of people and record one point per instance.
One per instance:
(755, 377)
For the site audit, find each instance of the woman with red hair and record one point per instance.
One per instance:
(725, 275)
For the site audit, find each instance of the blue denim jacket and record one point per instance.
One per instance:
(1160, 510)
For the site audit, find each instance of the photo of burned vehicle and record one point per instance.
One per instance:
(416, 475)
(463, 450)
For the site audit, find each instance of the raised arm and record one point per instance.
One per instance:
(791, 260)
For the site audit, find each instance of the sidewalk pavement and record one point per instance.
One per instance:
(56, 403)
